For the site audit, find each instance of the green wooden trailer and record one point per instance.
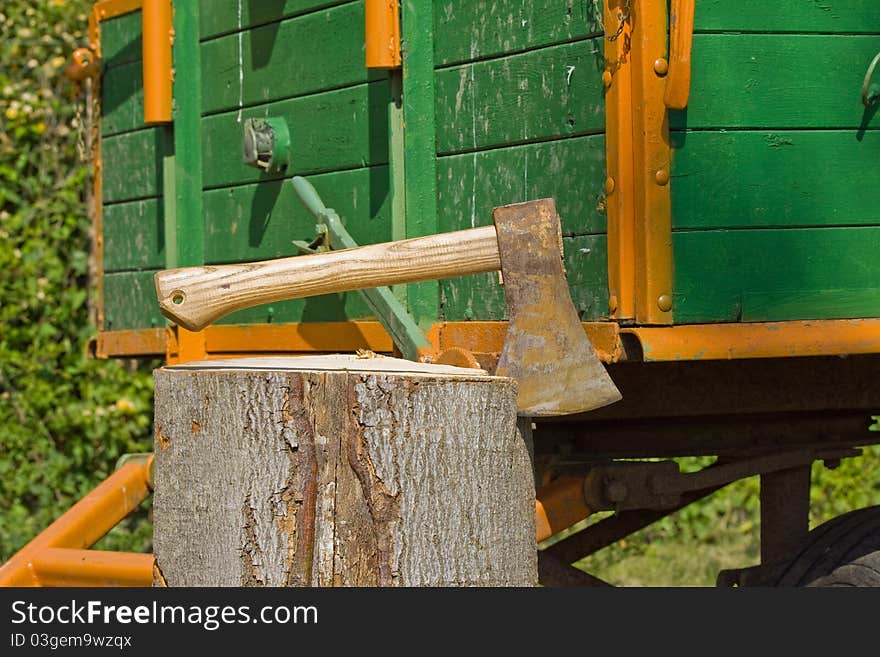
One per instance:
(714, 165)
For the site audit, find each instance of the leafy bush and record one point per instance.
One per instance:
(64, 418)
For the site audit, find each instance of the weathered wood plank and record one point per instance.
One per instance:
(536, 95)
(770, 275)
(467, 29)
(759, 81)
(315, 477)
(121, 40)
(134, 236)
(480, 297)
(782, 178)
(132, 165)
(334, 130)
(122, 99)
(299, 56)
(221, 16)
(788, 16)
(572, 171)
(258, 222)
(130, 301)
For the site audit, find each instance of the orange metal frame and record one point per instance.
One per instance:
(382, 33)
(58, 556)
(684, 342)
(652, 160)
(619, 190)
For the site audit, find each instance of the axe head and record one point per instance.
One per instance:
(546, 349)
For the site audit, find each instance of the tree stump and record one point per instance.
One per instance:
(340, 471)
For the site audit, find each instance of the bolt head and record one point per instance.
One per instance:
(609, 185)
(661, 66)
(664, 302)
(616, 491)
(662, 177)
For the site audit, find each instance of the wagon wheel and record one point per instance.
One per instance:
(844, 551)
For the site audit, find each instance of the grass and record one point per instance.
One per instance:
(672, 559)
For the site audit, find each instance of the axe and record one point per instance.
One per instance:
(545, 350)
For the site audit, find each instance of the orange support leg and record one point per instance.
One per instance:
(68, 567)
(81, 527)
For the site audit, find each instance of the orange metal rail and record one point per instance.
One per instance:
(57, 557)
(382, 33)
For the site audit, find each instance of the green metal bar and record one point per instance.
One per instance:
(420, 143)
(188, 222)
(400, 325)
(169, 197)
(396, 163)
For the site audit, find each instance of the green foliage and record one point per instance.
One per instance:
(64, 418)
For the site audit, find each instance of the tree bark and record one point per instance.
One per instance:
(339, 471)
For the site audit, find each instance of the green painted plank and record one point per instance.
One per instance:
(132, 165)
(788, 16)
(334, 130)
(586, 265)
(570, 170)
(122, 99)
(121, 40)
(480, 297)
(221, 16)
(470, 29)
(302, 55)
(130, 301)
(256, 222)
(775, 275)
(541, 94)
(134, 236)
(778, 81)
(183, 206)
(784, 178)
(420, 136)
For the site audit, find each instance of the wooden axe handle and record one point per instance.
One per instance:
(193, 297)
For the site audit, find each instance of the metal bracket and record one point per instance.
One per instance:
(146, 457)
(266, 144)
(632, 485)
(401, 326)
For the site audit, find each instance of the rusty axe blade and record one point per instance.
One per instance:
(546, 349)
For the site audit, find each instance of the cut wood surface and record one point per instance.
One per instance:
(315, 472)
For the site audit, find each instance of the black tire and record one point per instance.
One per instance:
(844, 551)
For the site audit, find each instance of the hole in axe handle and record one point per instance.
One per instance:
(177, 297)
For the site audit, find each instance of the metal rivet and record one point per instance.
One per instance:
(607, 78)
(616, 491)
(609, 185)
(662, 177)
(664, 303)
(661, 66)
